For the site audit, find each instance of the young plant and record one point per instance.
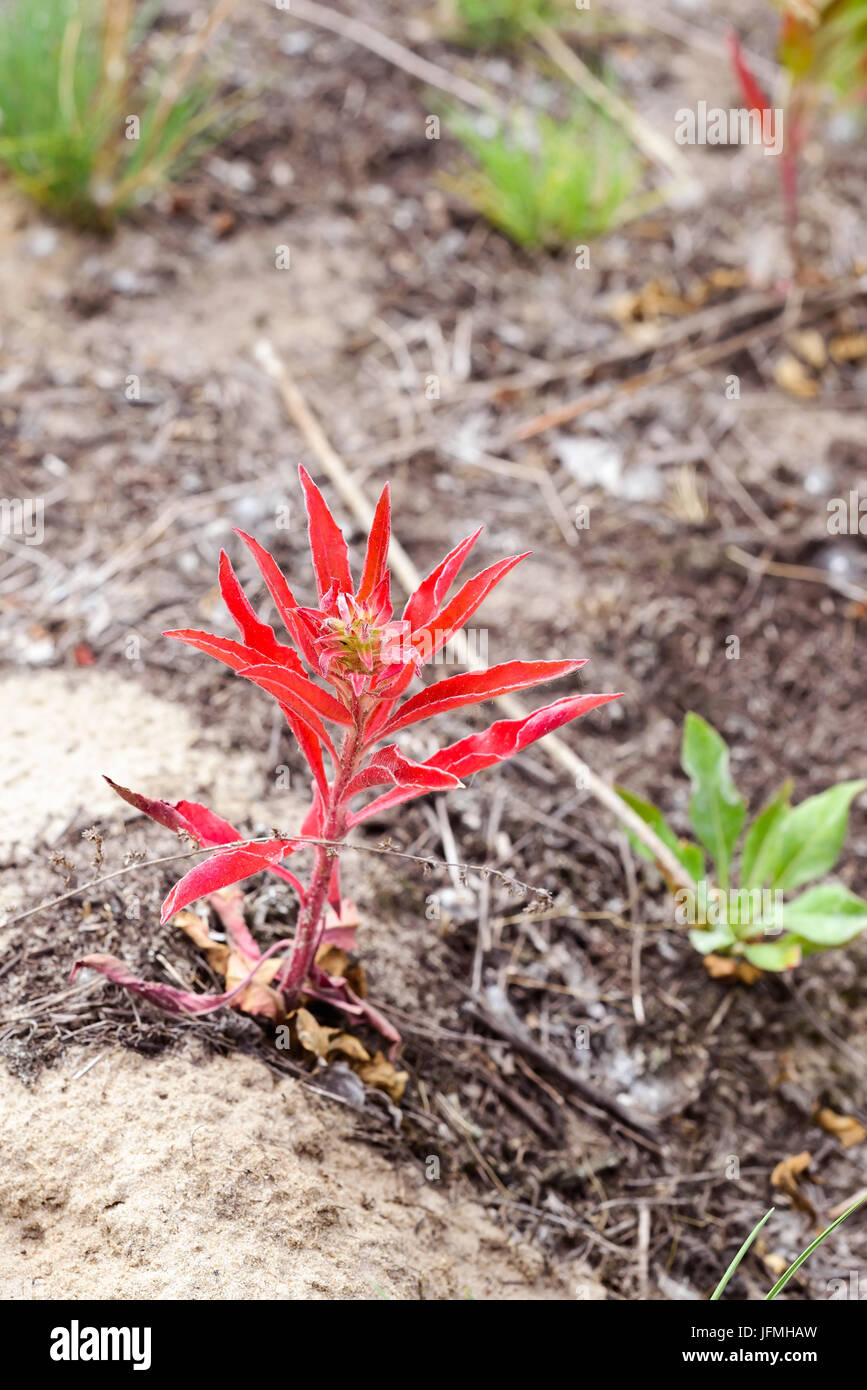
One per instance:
(86, 128)
(822, 49)
(342, 685)
(544, 182)
(744, 914)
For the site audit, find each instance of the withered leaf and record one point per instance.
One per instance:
(844, 1127)
(793, 377)
(382, 1074)
(785, 1177)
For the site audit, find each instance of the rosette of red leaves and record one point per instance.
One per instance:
(342, 683)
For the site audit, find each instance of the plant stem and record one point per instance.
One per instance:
(291, 980)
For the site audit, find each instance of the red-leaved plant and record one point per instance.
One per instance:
(348, 668)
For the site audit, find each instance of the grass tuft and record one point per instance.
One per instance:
(543, 182)
(88, 127)
(489, 24)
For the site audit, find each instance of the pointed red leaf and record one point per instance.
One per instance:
(173, 1001)
(430, 593)
(747, 81)
(166, 997)
(327, 546)
(256, 634)
(336, 991)
(298, 693)
(232, 653)
(496, 744)
(390, 765)
(195, 820)
(283, 597)
(376, 559)
(429, 639)
(474, 686)
(308, 742)
(508, 736)
(223, 868)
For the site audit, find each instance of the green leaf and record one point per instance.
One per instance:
(827, 915)
(716, 810)
(689, 855)
(796, 1264)
(739, 1256)
(810, 837)
(784, 954)
(710, 939)
(757, 853)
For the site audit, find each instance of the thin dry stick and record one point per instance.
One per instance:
(796, 310)
(426, 861)
(681, 365)
(808, 573)
(311, 12)
(302, 416)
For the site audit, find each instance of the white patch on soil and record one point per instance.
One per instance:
(62, 730)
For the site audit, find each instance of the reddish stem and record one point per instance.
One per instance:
(310, 919)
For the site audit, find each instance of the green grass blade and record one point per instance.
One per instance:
(739, 1256)
(796, 1264)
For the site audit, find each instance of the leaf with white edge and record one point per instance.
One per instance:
(759, 844)
(716, 810)
(827, 915)
(780, 955)
(689, 855)
(811, 836)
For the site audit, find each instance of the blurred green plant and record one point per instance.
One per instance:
(822, 48)
(499, 23)
(784, 848)
(545, 182)
(88, 127)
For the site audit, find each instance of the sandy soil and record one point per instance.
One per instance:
(201, 1177)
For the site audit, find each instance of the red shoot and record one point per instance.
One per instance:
(341, 685)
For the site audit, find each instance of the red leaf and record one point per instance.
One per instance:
(376, 559)
(308, 742)
(283, 598)
(470, 688)
(174, 1001)
(257, 635)
(336, 991)
(223, 868)
(432, 590)
(496, 744)
(231, 653)
(196, 820)
(430, 638)
(750, 89)
(390, 765)
(508, 736)
(229, 907)
(327, 546)
(298, 693)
